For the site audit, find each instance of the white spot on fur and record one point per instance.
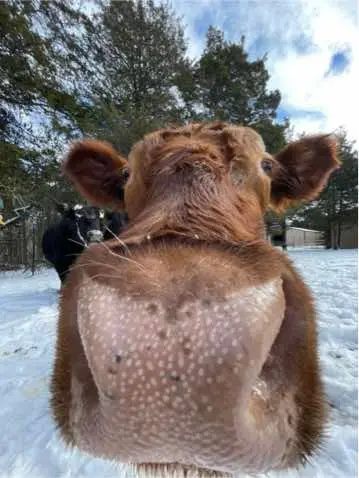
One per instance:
(153, 400)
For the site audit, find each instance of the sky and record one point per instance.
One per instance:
(312, 48)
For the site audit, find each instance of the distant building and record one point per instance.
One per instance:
(280, 233)
(349, 237)
(299, 237)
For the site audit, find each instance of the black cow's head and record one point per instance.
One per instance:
(83, 223)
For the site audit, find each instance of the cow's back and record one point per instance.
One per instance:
(60, 248)
(49, 244)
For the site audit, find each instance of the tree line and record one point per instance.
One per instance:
(116, 71)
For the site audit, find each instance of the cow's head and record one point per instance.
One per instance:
(82, 223)
(227, 166)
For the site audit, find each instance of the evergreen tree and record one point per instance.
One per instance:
(226, 85)
(337, 205)
(138, 48)
(33, 93)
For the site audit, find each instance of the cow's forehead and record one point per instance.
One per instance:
(89, 210)
(86, 211)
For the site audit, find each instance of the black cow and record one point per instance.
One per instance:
(115, 222)
(64, 242)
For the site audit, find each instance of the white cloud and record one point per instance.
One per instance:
(192, 11)
(301, 78)
(329, 25)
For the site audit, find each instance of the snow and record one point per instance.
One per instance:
(29, 443)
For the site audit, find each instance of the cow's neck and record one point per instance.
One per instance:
(236, 222)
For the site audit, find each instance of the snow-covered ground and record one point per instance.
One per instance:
(29, 445)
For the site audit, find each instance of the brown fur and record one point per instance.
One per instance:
(295, 181)
(98, 171)
(196, 196)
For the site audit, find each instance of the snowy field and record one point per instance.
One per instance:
(29, 445)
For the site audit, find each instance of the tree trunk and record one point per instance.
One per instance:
(335, 236)
(23, 242)
(33, 249)
(339, 235)
(327, 237)
(330, 236)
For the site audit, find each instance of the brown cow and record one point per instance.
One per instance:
(189, 342)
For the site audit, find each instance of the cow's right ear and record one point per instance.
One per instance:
(98, 172)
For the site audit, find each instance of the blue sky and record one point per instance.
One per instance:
(312, 48)
(339, 62)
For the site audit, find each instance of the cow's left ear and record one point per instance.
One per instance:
(302, 170)
(61, 207)
(98, 172)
